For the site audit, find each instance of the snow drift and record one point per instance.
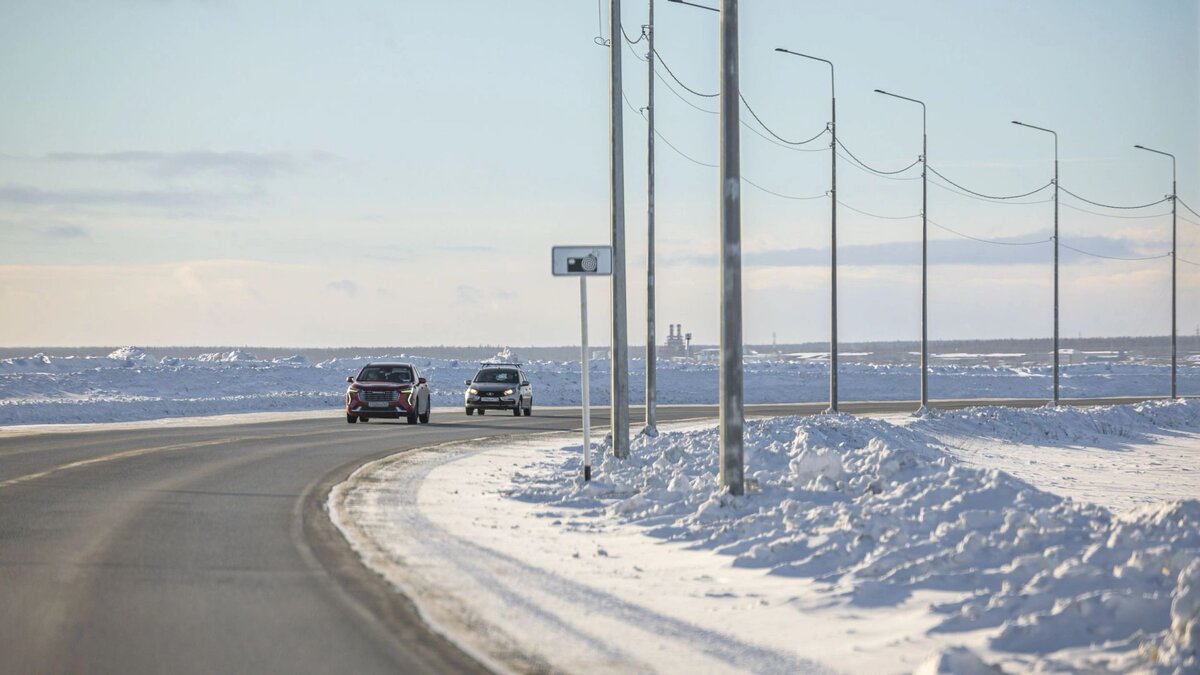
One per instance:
(877, 512)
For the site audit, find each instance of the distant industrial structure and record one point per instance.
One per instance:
(678, 342)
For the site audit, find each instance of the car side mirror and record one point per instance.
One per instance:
(468, 383)
(350, 378)
(421, 380)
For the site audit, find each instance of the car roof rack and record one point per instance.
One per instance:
(485, 364)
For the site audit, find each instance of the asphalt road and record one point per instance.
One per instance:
(206, 549)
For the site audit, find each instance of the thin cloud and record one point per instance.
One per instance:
(1007, 251)
(344, 286)
(176, 164)
(24, 195)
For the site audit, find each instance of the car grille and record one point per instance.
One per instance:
(378, 396)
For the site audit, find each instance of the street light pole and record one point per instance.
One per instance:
(833, 305)
(732, 423)
(1174, 265)
(620, 329)
(1056, 354)
(651, 340)
(924, 252)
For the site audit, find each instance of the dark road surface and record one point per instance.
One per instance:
(206, 549)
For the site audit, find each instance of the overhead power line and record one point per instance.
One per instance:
(769, 131)
(873, 173)
(1187, 207)
(633, 42)
(1115, 215)
(673, 77)
(698, 162)
(876, 215)
(936, 183)
(1114, 257)
(872, 169)
(996, 242)
(1112, 206)
(987, 196)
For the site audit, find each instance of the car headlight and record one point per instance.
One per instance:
(473, 390)
(508, 392)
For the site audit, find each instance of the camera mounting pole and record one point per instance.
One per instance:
(583, 262)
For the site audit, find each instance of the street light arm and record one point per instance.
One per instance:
(1160, 152)
(905, 98)
(1049, 131)
(814, 58)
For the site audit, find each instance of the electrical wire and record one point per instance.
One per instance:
(872, 173)
(1187, 207)
(968, 195)
(990, 241)
(1188, 220)
(680, 82)
(698, 162)
(1112, 206)
(1114, 215)
(633, 42)
(1188, 262)
(1112, 257)
(744, 123)
(876, 215)
(600, 39)
(874, 170)
(770, 131)
(784, 196)
(987, 196)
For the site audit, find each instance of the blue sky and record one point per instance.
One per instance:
(382, 173)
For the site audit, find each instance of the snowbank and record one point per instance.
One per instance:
(877, 512)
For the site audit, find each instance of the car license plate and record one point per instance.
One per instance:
(489, 398)
(377, 404)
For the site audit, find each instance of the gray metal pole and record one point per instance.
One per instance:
(585, 365)
(732, 421)
(1174, 266)
(620, 329)
(924, 249)
(651, 340)
(833, 274)
(924, 264)
(833, 305)
(1056, 356)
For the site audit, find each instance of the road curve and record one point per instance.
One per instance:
(206, 549)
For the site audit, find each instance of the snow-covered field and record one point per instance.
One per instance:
(132, 384)
(1031, 540)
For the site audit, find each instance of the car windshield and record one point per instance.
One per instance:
(397, 374)
(497, 376)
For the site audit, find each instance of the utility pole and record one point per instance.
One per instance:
(620, 329)
(924, 251)
(732, 423)
(833, 305)
(732, 419)
(1174, 265)
(1056, 355)
(651, 340)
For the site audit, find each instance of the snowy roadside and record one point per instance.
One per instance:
(131, 384)
(865, 546)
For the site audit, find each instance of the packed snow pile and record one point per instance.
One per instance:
(235, 356)
(132, 356)
(877, 512)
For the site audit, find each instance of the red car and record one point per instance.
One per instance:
(389, 391)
